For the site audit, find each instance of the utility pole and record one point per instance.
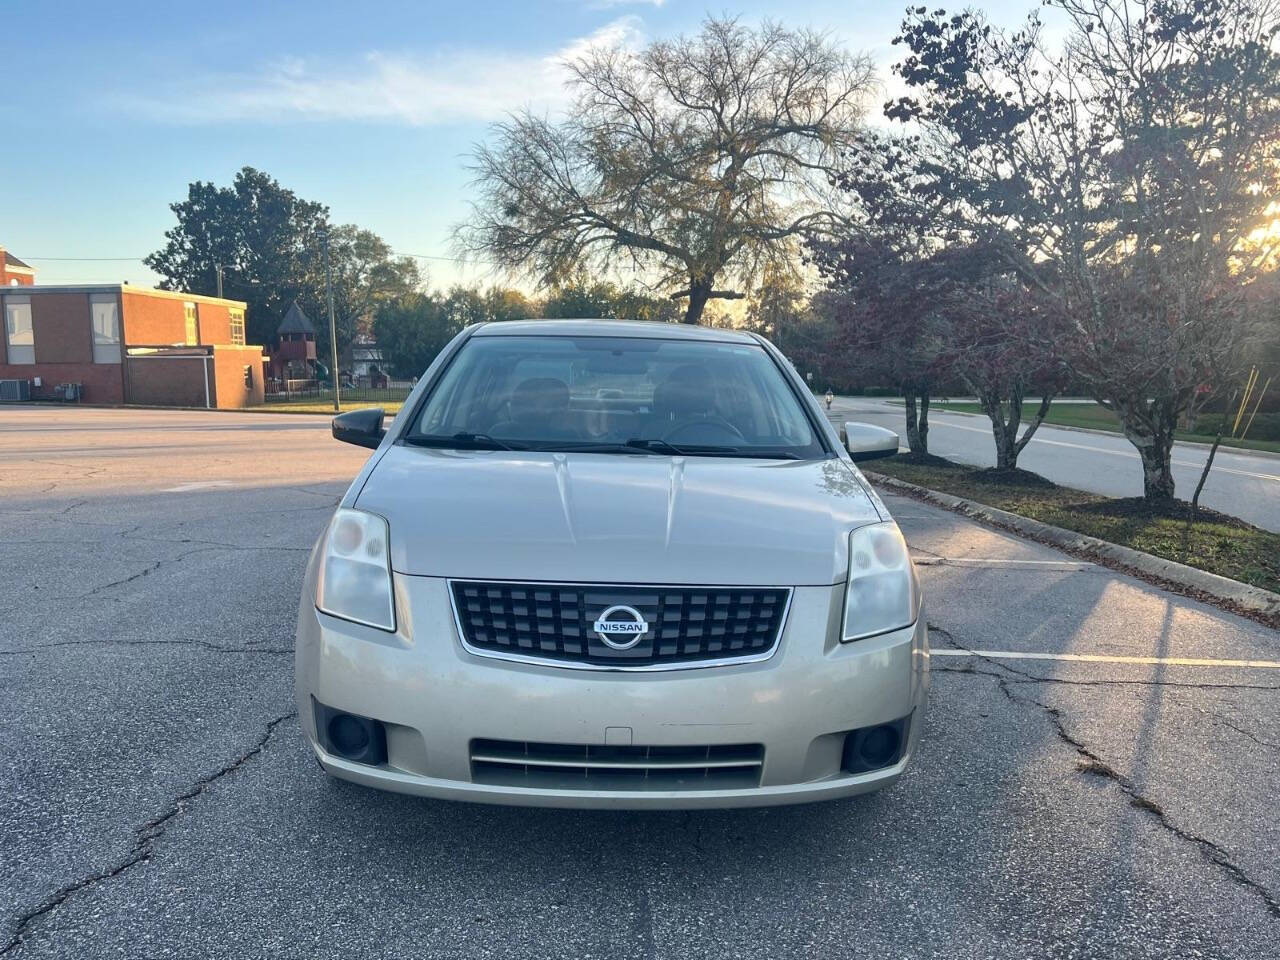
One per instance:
(217, 267)
(333, 327)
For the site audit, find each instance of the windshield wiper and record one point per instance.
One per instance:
(629, 446)
(639, 445)
(461, 441)
(700, 450)
(664, 445)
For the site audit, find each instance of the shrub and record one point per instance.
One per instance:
(1265, 426)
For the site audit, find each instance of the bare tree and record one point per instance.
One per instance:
(696, 161)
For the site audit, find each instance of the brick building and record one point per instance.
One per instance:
(14, 272)
(121, 344)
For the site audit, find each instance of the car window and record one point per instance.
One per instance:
(579, 393)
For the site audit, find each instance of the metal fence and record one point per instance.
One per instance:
(359, 391)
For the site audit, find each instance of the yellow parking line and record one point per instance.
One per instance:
(1101, 658)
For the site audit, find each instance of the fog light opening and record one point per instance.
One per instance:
(350, 736)
(876, 747)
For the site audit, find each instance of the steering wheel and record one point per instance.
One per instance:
(711, 420)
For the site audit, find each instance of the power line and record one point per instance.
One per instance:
(397, 253)
(463, 260)
(428, 256)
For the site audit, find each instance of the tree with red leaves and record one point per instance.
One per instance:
(1127, 177)
(920, 299)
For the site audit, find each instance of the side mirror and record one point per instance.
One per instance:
(361, 427)
(865, 441)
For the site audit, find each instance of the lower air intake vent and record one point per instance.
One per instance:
(565, 766)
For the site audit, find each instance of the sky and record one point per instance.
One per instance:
(113, 109)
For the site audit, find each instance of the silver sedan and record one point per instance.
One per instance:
(611, 564)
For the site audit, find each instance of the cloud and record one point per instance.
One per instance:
(441, 88)
(608, 4)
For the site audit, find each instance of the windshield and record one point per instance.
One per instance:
(616, 395)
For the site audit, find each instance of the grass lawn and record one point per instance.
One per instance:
(1216, 542)
(325, 406)
(1099, 418)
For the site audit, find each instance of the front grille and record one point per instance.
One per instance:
(567, 766)
(555, 622)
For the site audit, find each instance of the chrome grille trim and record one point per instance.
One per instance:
(754, 657)
(598, 767)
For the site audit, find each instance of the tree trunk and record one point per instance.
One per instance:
(699, 294)
(1008, 444)
(1005, 433)
(1157, 474)
(1204, 474)
(913, 434)
(917, 420)
(1150, 429)
(1208, 463)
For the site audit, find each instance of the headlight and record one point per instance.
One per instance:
(883, 591)
(355, 575)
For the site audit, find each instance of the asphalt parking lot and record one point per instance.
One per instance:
(1116, 796)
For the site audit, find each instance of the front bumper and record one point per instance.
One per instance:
(434, 698)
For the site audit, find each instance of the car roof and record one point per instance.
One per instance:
(612, 328)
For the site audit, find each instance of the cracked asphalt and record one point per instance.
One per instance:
(156, 798)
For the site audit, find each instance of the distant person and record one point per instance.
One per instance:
(829, 397)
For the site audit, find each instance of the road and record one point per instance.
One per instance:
(157, 798)
(1242, 483)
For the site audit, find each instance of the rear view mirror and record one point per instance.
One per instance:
(865, 441)
(361, 427)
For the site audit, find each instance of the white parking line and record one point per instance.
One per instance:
(1101, 658)
(1115, 453)
(199, 485)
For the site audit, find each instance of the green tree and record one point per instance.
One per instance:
(264, 237)
(636, 305)
(777, 308)
(267, 241)
(505, 303)
(411, 330)
(581, 298)
(365, 274)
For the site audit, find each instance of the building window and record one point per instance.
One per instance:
(193, 325)
(237, 327)
(106, 327)
(18, 335)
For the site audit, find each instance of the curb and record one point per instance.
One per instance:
(1239, 596)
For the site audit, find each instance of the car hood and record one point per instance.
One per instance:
(618, 518)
